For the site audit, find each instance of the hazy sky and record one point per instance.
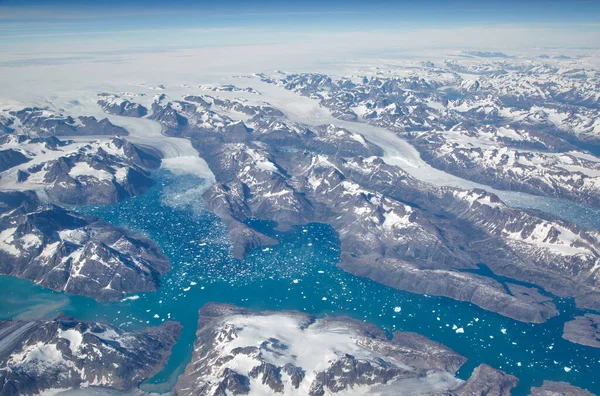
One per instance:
(136, 24)
(50, 47)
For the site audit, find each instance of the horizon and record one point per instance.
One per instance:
(33, 25)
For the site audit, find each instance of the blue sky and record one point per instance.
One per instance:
(220, 22)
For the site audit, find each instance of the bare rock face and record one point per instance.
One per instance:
(584, 330)
(239, 351)
(45, 355)
(551, 388)
(487, 381)
(64, 251)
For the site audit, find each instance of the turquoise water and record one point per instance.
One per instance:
(299, 274)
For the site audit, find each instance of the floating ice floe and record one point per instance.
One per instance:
(460, 330)
(156, 316)
(567, 369)
(296, 280)
(397, 309)
(193, 283)
(503, 331)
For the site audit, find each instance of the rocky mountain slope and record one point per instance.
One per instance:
(65, 251)
(47, 356)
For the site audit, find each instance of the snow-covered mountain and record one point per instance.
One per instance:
(101, 172)
(45, 357)
(44, 122)
(499, 123)
(121, 106)
(239, 351)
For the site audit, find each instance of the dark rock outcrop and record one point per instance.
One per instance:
(10, 158)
